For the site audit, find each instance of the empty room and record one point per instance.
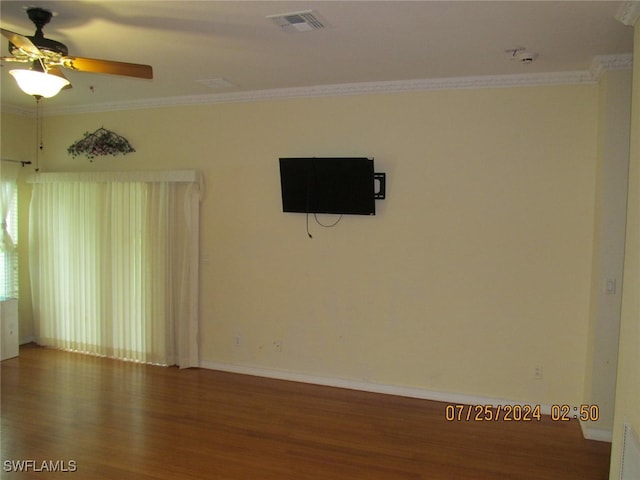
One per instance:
(320, 240)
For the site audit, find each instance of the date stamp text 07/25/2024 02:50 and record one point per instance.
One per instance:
(519, 413)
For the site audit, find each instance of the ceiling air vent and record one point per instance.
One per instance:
(298, 21)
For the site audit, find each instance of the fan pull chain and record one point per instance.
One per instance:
(39, 143)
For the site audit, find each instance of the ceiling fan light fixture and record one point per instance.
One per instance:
(39, 84)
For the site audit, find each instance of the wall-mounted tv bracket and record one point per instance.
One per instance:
(381, 180)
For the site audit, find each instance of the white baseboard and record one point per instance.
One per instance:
(588, 431)
(411, 392)
(600, 434)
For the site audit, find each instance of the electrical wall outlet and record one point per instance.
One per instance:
(237, 341)
(277, 345)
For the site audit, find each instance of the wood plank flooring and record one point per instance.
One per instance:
(108, 419)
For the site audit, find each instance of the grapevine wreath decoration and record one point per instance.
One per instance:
(101, 142)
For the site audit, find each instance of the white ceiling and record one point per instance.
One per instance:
(364, 41)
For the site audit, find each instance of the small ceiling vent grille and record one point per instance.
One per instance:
(298, 21)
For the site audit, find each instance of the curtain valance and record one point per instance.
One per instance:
(170, 176)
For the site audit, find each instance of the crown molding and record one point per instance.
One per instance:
(607, 63)
(599, 65)
(629, 13)
(348, 89)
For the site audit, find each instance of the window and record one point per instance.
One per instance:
(9, 232)
(9, 259)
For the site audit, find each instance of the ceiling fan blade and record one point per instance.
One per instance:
(22, 42)
(108, 66)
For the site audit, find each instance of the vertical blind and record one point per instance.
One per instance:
(114, 264)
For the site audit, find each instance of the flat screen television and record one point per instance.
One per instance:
(328, 185)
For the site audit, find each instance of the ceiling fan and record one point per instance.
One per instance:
(46, 56)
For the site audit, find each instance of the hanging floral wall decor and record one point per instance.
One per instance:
(100, 142)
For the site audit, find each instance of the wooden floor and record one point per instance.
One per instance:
(108, 419)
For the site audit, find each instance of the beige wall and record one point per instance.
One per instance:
(628, 385)
(476, 269)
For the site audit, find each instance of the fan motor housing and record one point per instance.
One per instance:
(43, 44)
